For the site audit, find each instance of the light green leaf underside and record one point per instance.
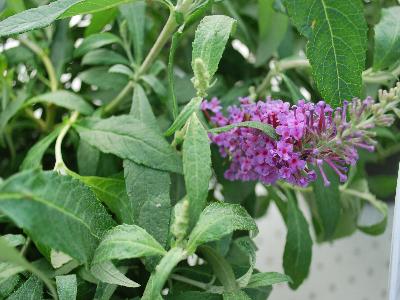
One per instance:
(337, 44)
(67, 287)
(218, 220)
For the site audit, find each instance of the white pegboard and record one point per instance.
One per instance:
(353, 268)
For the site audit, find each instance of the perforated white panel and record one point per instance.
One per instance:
(354, 268)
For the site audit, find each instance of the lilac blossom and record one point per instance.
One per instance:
(310, 137)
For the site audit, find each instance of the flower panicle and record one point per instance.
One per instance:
(310, 136)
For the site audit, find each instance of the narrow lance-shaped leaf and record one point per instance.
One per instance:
(96, 41)
(44, 204)
(31, 289)
(131, 139)
(196, 167)
(266, 128)
(67, 287)
(327, 202)
(387, 39)
(210, 40)
(44, 15)
(148, 189)
(10, 255)
(123, 242)
(218, 220)
(298, 248)
(64, 99)
(337, 34)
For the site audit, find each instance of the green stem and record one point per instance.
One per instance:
(162, 272)
(222, 269)
(199, 284)
(60, 165)
(112, 106)
(166, 33)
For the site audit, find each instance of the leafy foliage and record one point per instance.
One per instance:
(108, 179)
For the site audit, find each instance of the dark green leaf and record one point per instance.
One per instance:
(100, 77)
(272, 27)
(337, 44)
(134, 14)
(218, 220)
(266, 128)
(184, 115)
(12, 256)
(298, 248)
(99, 20)
(108, 273)
(293, 89)
(12, 108)
(327, 202)
(140, 108)
(131, 139)
(64, 99)
(266, 279)
(32, 289)
(237, 295)
(45, 203)
(67, 287)
(387, 39)
(104, 57)
(126, 241)
(87, 7)
(96, 41)
(196, 167)
(209, 43)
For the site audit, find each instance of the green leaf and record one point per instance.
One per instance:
(122, 69)
(12, 256)
(96, 41)
(184, 115)
(12, 108)
(14, 240)
(99, 20)
(9, 285)
(196, 167)
(45, 203)
(155, 84)
(218, 220)
(293, 89)
(104, 291)
(327, 202)
(131, 139)
(64, 99)
(88, 7)
(266, 279)
(164, 268)
(103, 57)
(126, 241)
(298, 248)
(31, 289)
(112, 192)
(134, 14)
(67, 287)
(108, 273)
(62, 46)
(387, 39)
(210, 40)
(100, 77)
(141, 108)
(148, 191)
(272, 27)
(266, 128)
(35, 18)
(35, 155)
(194, 295)
(337, 34)
(236, 295)
(176, 39)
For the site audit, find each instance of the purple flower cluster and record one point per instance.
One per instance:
(311, 136)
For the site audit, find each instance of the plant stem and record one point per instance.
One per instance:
(199, 284)
(222, 269)
(167, 31)
(60, 165)
(110, 107)
(38, 121)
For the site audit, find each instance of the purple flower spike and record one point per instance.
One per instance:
(310, 136)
